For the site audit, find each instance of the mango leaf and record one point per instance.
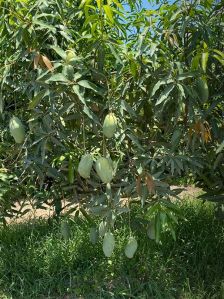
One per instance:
(135, 141)
(153, 48)
(158, 228)
(114, 52)
(204, 60)
(43, 25)
(159, 84)
(141, 39)
(1, 103)
(164, 95)
(90, 114)
(220, 148)
(58, 78)
(219, 53)
(119, 5)
(79, 93)
(66, 35)
(195, 62)
(109, 13)
(36, 99)
(125, 106)
(99, 4)
(176, 14)
(71, 176)
(59, 51)
(221, 60)
(90, 85)
(43, 149)
(186, 75)
(176, 138)
(181, 89)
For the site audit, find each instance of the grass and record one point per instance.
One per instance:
(36, 263)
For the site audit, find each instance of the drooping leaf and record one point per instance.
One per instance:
(89, 85)
(164, 95)
(37, 98)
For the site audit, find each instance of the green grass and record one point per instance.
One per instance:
(36, 263)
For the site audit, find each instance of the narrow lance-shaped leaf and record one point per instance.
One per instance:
(128, 108)
(44, 25)
(37, 98)
(58, 77)
(204, 60)
(221, 60)
(109, 13)
(159, 84)
(71, 176)
(79, 93)
(90, 114)
(164, 95)
(90, 85)
(59, 51)
(1, 103)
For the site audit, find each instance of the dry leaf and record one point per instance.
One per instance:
(150, 184)
(47, 62)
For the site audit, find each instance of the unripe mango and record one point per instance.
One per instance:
(17, 129)
(110, 125)
(85, 166)
(104, 170)
(131, 247)
(108, 244)
(70, 54)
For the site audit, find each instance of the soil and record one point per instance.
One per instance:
(48, 211)
(189, 191)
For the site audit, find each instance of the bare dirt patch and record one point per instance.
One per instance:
(189, 191)
(48, 211)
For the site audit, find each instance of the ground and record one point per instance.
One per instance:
(189, 192)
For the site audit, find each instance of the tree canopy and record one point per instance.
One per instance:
(65, 65)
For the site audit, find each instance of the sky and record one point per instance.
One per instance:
(147, 5)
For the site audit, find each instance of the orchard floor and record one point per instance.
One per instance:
(48, 211)
(35, 262)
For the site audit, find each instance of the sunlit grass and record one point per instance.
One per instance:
(35, 262)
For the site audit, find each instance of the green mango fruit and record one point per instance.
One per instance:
(104, 170)
(110, 125)
(85, 166)
(131, 247)
(108, 244)
(17, 129)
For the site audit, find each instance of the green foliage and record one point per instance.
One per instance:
(65, 65)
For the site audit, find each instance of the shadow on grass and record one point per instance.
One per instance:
(36, 263)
